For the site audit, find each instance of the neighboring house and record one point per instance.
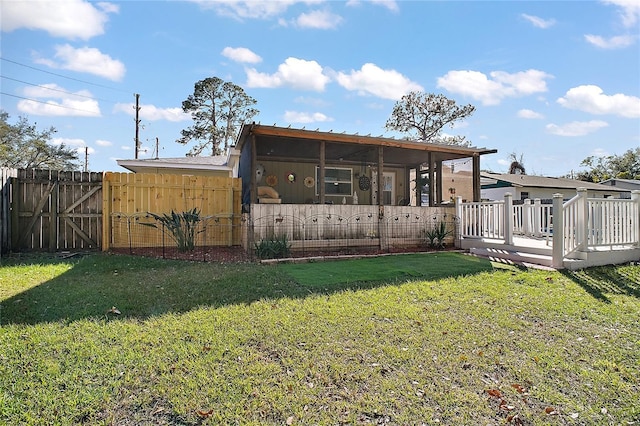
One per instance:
(629, 184)
(218, 165)
(297, 166)
(521, 187)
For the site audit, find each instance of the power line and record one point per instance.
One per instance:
(64, 76)
(56, 90)
(46, 103)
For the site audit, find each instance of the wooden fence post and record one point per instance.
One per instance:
(557, 260)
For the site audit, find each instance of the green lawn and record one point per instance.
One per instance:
(437, 338)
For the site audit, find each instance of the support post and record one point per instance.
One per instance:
(582, 225)
(439, 196)
(508, 219)
(321, 173)
(419, 185)
(476, 177)
(557, 258)
(253, 192)
(432, 192)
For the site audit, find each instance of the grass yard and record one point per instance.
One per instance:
(436, 338)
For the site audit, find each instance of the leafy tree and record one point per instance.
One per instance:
(423, 116)
(23, 146)
(625, 166)
(218, 109)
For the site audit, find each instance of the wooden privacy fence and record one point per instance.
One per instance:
(55, 210)
(129, 199)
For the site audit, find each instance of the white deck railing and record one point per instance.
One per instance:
(581, 224)
(482, 219)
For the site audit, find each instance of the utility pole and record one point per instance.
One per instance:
(157, 148)
(137, 108)
(86, 158)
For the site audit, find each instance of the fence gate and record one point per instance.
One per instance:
(55, 210)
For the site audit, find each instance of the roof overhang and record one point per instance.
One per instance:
(141, 166)
(287, 144)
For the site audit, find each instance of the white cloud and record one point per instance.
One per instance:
(79, 145)
(295, 73)
(72, 143)
(153, 113)
(101, 142)
(616, 42)
(125, 148)
(529, 114)
(373, 80)
(85, 59)
(318, 19)
(316, 102)
(576, 128)
(241, 54)
(591, 99)
(305, 117)
(491, 91)
(539, 22)
(630, 10)
(392, 5)
(251, 9)
(53, 100)
(72, 19)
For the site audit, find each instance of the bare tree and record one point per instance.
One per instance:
(517, 165)
(423, 116)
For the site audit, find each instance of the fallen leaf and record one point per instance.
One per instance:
(204, 414)
(574, 415)
(518, 388)
(494, 392)
(550, 411)
(289, 420)
(114, 310)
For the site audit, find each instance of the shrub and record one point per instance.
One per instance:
(273, 248)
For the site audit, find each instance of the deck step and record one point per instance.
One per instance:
(513, 257)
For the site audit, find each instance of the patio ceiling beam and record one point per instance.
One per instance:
(268, 131)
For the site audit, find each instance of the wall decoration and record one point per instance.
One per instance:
(272, 180)
(309, 181)
(364, 183)
(291, 177)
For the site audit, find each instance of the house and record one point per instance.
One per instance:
(494, 186)
(629, 184)
(217, 165)
(298, 166)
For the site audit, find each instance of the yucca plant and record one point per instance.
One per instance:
(181, 227)
(273, 248)
(435, 236)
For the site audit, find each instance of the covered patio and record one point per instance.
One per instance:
(336, 191)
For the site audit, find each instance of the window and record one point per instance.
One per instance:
(524, 195)
(337, 181)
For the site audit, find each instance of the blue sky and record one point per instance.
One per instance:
(552, 81)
